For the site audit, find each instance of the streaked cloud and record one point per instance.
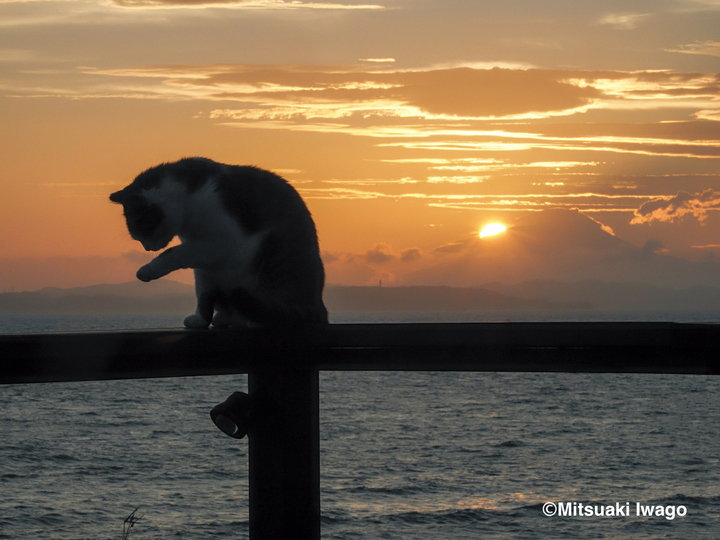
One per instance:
(371, 181)
(454, 109)
(454, 137)
(603, 144)
(669, 209)
(709, 48)
(339, 193)
(624, 21)
(381, 102)
(503, 202)
(282, 92)
(653, 84)
(698, 5)
(586, 202)
(242, 4)
(456, 179)
(135, 15)
(713, 115)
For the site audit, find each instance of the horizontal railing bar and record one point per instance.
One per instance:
(618, 347)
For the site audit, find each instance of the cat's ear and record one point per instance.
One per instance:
(118, 196)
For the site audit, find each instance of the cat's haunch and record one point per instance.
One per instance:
(244, 231)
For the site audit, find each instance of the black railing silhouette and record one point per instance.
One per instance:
(283, 367)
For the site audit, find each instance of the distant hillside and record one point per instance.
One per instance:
(433, 299)
(161, 296)
(536, 296)
(173, 297)
(134, 289)
(38, 302)
(615, 296)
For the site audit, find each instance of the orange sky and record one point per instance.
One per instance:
(406, 125)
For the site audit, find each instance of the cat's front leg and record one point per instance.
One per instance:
(196, 321)
(204, 312)
(168, 261)
(155, 269)
(146, 273)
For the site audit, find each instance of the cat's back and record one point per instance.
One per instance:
(260, 199)
(255, 198)
(288, 262)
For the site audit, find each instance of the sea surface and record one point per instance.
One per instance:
(411, 455)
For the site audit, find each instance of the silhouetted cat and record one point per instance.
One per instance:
(244, 231)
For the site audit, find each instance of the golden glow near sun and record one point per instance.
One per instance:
(492, 229)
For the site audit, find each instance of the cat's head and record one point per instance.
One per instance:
(146, 220)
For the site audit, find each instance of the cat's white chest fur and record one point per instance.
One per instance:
(213, 242)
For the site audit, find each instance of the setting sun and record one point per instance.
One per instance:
(492, 229)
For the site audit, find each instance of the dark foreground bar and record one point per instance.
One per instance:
(569, 347)
(283, 367)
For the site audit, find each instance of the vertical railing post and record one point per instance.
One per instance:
(284, 446)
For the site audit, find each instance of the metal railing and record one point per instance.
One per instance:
(283, 367)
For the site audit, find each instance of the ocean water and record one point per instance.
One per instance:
(403, 455)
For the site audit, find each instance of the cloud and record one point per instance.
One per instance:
(623, 21)
(339, 193)
(348, 269)
(410, 254)
(439, 111)
(654, 246)
(697, 6)
(381, 253)
(329, 257)
(708, 48)
(595, 201)
(381, 262)
(653, 86)
(713, 115)
(241, 4)
(453, 247)
(378, 60)
(457, 179)
(682, 204)
(305, 92)
(383, 101)
(466, 92)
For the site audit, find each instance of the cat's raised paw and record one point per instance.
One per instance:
(195, 321)
(145, 274)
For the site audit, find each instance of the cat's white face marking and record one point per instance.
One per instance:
(170, 195)
(150, 225)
